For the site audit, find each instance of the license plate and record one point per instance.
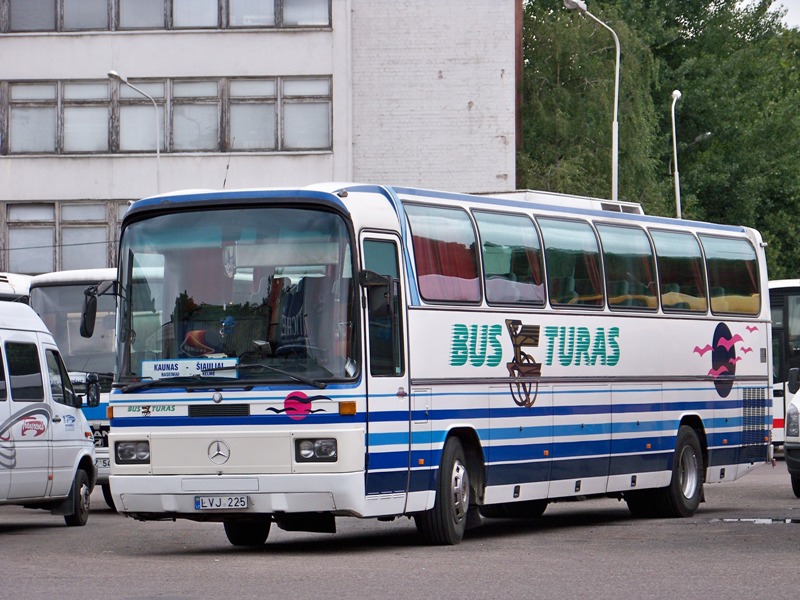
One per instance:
(103, 463)
(221, 502)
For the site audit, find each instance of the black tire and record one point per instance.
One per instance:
(446, 522)
(641, 504)
(107, 495)
(248, 532)
(79, 497)
(527, 509)
(796, 484)
(682, 497)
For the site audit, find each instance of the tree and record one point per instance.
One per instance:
(737, 67)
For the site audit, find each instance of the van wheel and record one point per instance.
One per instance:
(80, 500)
(445, 523)
(248, 532)
(107, 495)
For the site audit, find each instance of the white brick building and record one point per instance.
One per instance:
(250, 93)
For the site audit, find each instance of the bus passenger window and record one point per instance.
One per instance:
(680, 271)
(629, 267)
(512, 259)
(574, 273)
(444, 253)
(732, 275)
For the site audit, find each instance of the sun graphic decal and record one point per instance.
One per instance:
(724, 358)
(297, 406)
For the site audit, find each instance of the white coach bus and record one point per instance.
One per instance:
(784, 297)
(371, 351)
(57, 298)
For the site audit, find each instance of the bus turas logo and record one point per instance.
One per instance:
(723, 356)
(297, 406)
(576, 346)
(477, 344)
(523, 366)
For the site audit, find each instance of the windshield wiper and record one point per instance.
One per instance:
(301, 378)
(179, 381)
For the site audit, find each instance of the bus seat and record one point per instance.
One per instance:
(261, 295)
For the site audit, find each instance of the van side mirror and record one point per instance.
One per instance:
(794, 380)
(92, 389)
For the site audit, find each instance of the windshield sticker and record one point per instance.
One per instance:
(188, 367)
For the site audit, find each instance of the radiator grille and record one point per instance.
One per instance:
(754, 424)
(219, 410)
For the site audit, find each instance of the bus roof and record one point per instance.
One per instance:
(350, 195)
(73, 276)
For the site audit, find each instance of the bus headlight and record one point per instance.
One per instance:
(792, 421)
(133, 452)
(315, 450)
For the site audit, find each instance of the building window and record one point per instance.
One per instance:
(195, 115)
(85, 14)
(46, 236)
(32, 120)
(86, 117)
(208, 115)
(17, 16)
(195, 14)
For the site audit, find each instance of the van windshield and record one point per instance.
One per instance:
(253, 293)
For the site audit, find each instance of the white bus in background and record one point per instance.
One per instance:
(14, 287)
(58, 298)
(372, 351)
(784, 297)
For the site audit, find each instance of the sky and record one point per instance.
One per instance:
(792, 18)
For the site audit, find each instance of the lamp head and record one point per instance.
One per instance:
(578, 5)
(676, 94)
(117, 77)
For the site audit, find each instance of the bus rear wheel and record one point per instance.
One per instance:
(247, 532)
(446, 522)
(682, 497)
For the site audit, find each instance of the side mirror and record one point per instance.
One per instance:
(794, 380)
(89, 313)
(92, 390)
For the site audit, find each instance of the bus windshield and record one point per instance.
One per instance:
(60, 307)
(257, 294)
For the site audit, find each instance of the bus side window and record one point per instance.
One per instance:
(384, 320)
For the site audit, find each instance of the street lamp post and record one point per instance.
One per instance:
(124, 80)
(580, 6)
(675, 97)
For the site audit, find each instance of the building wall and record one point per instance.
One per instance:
(434, 93)
(422, 94)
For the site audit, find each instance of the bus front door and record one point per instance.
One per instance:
(386, 374)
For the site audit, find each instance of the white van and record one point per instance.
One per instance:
(46, 445)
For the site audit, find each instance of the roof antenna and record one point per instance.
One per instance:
(228, 166)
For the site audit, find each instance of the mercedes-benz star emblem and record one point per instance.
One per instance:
(218, 452)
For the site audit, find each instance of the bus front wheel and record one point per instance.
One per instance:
(248, 532)
(796, 485)
(446, 522)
